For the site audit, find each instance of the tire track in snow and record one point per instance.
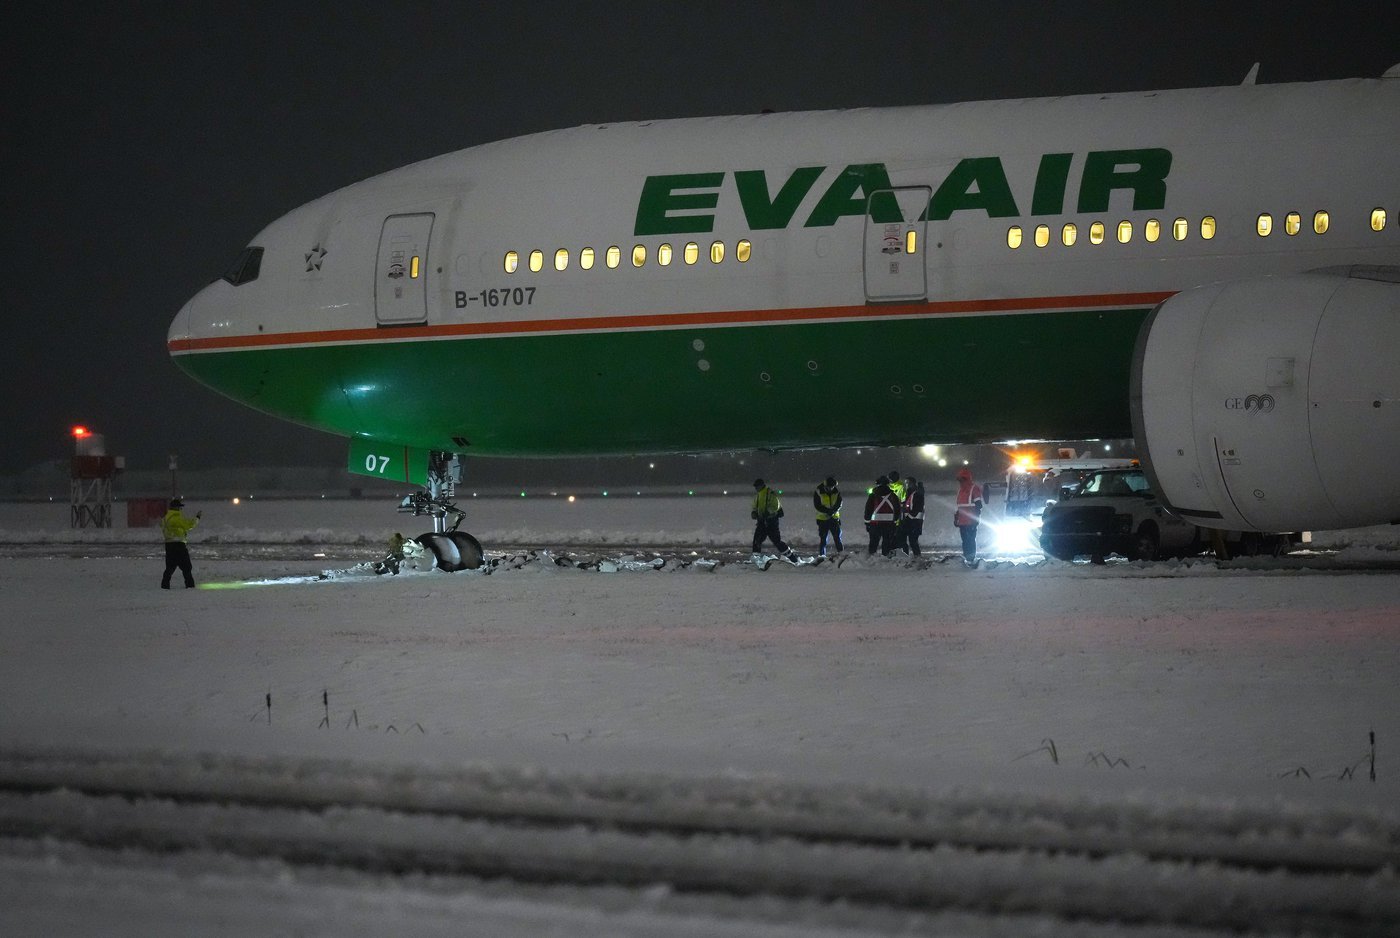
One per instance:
(1228, 868)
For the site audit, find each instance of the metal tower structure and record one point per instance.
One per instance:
(90, 485)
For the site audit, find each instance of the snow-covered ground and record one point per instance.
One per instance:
(1083, 714)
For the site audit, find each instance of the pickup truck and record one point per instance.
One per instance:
(1115, 511)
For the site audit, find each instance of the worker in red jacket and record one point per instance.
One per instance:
(882, 514)
(968, 513)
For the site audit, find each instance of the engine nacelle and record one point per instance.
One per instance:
(1274, 404)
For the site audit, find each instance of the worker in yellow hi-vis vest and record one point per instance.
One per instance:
(827, 501)
(175, 527)
(767, 509)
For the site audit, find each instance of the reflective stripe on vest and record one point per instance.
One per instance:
(967, 508)
(884, 509)
(766, 503)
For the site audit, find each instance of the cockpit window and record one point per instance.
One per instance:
(245, 267)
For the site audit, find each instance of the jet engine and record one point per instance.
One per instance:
(1273, 404)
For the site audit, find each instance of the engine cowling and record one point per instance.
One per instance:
(1273, 404)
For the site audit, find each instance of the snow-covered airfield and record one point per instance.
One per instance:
(1025, 748)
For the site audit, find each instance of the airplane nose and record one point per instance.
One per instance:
(188, 327)
(179, 332)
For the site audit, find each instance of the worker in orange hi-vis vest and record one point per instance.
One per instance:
(882, 514)
(968, 513)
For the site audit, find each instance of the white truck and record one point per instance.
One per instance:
(1115, 511)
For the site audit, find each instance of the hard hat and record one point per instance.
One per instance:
(177, 502)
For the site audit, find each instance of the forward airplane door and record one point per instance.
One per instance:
(895, 265)
(401, 273)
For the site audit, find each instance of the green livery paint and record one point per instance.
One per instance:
(685, 203)
(849, 194)
(974, 184)
(389, 461)
(1104, 172)
(898, 381)
(662, 195)
(765, 213)
(1050, 181)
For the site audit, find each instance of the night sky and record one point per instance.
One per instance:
(145, 144)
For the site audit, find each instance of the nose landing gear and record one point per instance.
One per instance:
(452, 550)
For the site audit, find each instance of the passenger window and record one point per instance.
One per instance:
(716, 252)
(639, 255)
(744, 250)
(1180, 228)
(1208, 227)
(692, 252)
(1152, 230)
(536, 261)
(614, 257)
(1320, 222)
(1096, 233)
(561, 259)
(1264, 225)
(663, 255)
(1378, 219)
(1042, 235)
(1292, 223)
(1013, 237)
(585, 258)
(245, 267)
(512, 262)
(1069, 234)
(1125, 232)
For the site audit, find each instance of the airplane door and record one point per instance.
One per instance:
(895, 268)
(401, 274)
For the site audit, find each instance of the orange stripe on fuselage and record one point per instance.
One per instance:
(663, 321)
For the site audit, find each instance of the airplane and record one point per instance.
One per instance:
(1214, 272)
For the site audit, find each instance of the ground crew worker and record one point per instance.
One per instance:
(394, 558)
(968, 513)
(175, 527)
(767, 509)
(882, 511)
(912, 525)
(827, 501)
(897, 488)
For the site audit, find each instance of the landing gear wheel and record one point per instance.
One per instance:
(1145, 544)
(446, 556)
(469, 554)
